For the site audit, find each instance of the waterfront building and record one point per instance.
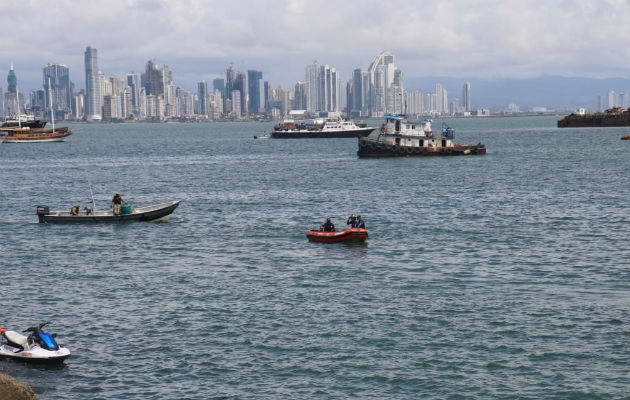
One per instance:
(299, 100)
(219, 84)
(413, 103)
(92, 87)
(1, 102)
(153, 79)
(381, 74)
(311, 75)
(236, 103)
(323, 88)
(133, 81)
(13, 100)
(611, 99)
(202, 94)
(466, 97)
(256, 92)
(57, 78)
(78, 105)
(240, 85)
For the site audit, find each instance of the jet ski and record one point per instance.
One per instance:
(37, 347)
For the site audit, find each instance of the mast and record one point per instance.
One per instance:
(52, 115)
(17, 100)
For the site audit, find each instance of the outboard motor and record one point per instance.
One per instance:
(41, 211)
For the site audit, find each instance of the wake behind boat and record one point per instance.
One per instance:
(159, 212)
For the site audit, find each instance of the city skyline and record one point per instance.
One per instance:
(488, 40)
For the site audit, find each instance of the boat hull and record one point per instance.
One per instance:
(354, 234)
(594, 120)
(321, 134)
(371, 149)
(36, 136)
(156, 213)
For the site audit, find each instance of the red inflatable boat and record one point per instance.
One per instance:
(354, 234)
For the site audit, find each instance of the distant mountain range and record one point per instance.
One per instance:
(552, 92)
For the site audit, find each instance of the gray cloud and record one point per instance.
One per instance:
(198, 38)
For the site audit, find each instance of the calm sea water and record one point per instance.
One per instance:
(502, 276)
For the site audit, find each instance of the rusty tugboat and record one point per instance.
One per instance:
(402, 137)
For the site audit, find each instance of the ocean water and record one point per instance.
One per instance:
(502, 276)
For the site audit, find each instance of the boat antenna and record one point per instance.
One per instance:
(92, 194)
(52, 115)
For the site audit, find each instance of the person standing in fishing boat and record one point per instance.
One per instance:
(116, 202)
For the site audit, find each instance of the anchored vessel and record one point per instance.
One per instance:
(402, 137)
(329, 129)
(33, 135)
(611, 117)
(158, 212)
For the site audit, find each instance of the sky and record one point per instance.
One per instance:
(198, 39)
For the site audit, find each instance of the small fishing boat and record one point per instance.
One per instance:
(159, 212)
(353, 234)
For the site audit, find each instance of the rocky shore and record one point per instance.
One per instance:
(11, 389)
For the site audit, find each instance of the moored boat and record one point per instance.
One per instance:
(402, 137)
(353, 234)
(328, 129)
(23, 121)
(159, 212)
(34, 135)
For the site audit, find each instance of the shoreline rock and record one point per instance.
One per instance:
(12, 389)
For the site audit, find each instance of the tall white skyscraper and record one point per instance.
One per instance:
(311, 80)
(92, 86)
(386, 86)
(466, 97)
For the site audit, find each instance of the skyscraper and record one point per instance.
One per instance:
(311, 75)
(57, 77)
(92, 86)
(240, 85)
(466, 97)
(12, 81)
(386, 85)
(202, 93)
(133, 81)
(256, 96)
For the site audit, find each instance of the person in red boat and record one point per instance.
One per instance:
(328, 226)
(360, 223)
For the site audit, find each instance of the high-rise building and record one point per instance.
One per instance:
(466, 97)
(236, 103)
(311, 75)
(611, 99)
(255, 92)
(323, 88)
(12, 81)
(240, 85)
(133, 81)
(386, 86)
(202, 93)
(219, 84)
(92, 86)
(57, 78)
(153, 79)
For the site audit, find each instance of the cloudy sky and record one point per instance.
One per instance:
(467, 39)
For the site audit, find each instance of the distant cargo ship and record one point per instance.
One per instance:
(611, 117)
